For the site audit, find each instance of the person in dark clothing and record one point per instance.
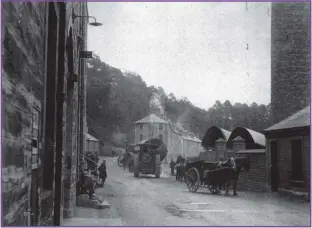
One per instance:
(172, 164)
(103, 172)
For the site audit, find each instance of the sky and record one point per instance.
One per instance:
(193, 50)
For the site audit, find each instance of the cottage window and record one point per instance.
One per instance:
(160, 126)
(141, 126)
(296, 160)
(141, 137)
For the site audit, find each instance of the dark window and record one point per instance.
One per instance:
(141, 126)
(296, 160)
(141, 137)
(160, 126)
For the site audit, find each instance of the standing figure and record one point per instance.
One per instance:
(103, 172)
(172, 164)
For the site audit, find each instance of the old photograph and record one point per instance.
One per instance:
(156, 113)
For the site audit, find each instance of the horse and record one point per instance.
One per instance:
(224, 175)
(180, 175)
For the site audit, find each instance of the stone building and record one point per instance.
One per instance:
(176, 142)
(288, 149)
(290, 58)
(43, 89)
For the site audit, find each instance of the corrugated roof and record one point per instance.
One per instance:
(299, 119)
(257, 137)
(225, 133)
(151, 119)
(91, 138)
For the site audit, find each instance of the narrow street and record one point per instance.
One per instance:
(147, 201)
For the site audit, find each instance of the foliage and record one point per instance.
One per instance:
(117, 99)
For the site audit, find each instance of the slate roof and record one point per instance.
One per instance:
(91, 138)
(151, 119)
(299, 119)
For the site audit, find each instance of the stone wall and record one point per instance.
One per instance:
(25, 57)
(284, 162)
(22, 89)
(257, 179)
(290, 58)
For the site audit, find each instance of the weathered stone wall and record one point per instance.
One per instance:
(72, 115)
(256, 179)
(22, 87)
(290, 58)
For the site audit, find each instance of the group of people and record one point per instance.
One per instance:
(86, 183)
(179, 165)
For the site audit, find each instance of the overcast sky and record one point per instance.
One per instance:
(194, 50)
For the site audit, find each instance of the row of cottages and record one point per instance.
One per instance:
(44, 111)
(222, 144)
(177, 144)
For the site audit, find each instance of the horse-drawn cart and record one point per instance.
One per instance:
(195, 177)
(213, 176)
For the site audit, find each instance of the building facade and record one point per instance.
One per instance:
(177, 144)
(290, 58)
(92, 144)
(43, 88)
(288, 149)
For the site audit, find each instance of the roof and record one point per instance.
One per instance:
(225, 133)
(248, 135)
(194, 139)
(91, 138)
(213, 134)
(251, 151)
(299, 119)
(257, 137)
(151, 119)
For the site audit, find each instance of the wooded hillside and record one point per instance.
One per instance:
(117, 99)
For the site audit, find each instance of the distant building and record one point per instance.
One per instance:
(177, 144)
(290, 58)
(288, 149)
(92, 144)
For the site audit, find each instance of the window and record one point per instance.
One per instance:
(141, 137)
(296, 160)
(160, 136)
(141, 126)
(160, 126)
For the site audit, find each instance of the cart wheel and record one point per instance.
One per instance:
(192, 179)
(120, 162)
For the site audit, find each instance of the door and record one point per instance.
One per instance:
(34, 196)
(274, 165)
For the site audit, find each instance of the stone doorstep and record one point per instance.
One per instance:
(295, 193)
(84, 201)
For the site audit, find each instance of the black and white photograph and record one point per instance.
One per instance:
(156, 113)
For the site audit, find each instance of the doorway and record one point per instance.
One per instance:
(274, 165)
